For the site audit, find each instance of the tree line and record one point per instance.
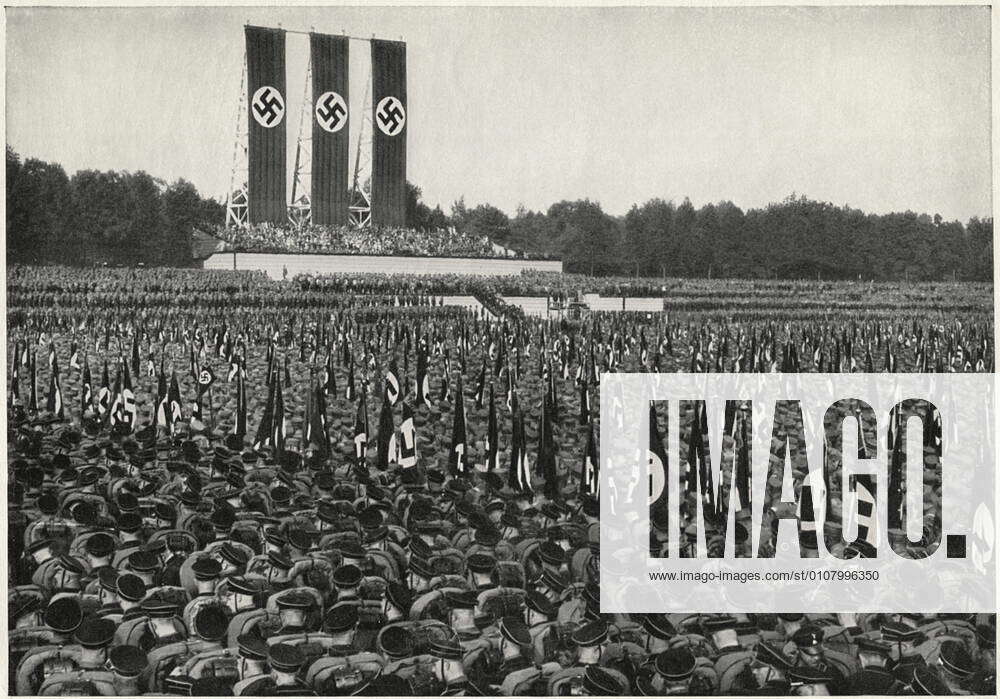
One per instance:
(798, 238)
(94, 216)
(123, 217)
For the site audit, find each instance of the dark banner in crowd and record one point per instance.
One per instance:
(267, 104)
(389, 133)
(330, 187)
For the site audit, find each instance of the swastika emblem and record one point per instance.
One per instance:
(331, 112)
(390, 116)
(267, 106)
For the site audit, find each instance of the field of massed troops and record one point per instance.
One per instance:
(221, 484)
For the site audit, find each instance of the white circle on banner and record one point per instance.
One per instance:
(267, 106)
(390, 115)
(331, 112)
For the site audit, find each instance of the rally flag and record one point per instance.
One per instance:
(135, 352)
(206, 377)
(519, 474)
(492, 436)
(361, 432)
(33, 394)
(263, 436)
(446, 379)
(545, 466)
(741, 438)
(328, 383)
(174, 401)
(350, 391)
(162, 408)
(74, 355)
(481, 386)
(54, 401)
(278, 427)
(86, 389)
(656, 456)
(890, 359)
(511, 400)
(240, 426)
(52, 354)
(193, 362)
(866, 542)
(896, 496)
(808, 541)
(392, 383)
(320, 418)
(128, 405)
(457, 457)
(408, 441)
(387, 450)
(316, 435)
(584, 404)
(15, 380)
(863, 485)
(104, 395)
(698, 467)
(589, 482)
(423, 386)
(116, 395)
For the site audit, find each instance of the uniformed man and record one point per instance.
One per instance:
(480, 568)
(659, 632)
(63, 616)
(598, 682)
(926, 682)
(244, 594)
(94, 636)
(131, 590)
(341, 622)
(589, 640)
(251, 650)
(674, 671)
(811, 681)
(955, 666)
(146, 565)
(284, 662)
(293, 610)
(461, 613)
(162, 627)
(346, 579)
(127, 664)
(450, 670)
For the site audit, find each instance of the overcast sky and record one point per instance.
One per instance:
(885, 109)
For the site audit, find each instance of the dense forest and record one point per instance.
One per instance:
(127, 218)
(92, 217)
(794, 239)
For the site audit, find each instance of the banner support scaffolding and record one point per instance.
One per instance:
(300, 210)
(237, 209)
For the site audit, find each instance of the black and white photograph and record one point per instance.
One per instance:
(310, 311)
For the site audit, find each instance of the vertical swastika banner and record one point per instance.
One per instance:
(389, 126)
(330, 156)
(268, 106)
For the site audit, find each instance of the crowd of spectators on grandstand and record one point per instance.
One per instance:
(346, 240)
